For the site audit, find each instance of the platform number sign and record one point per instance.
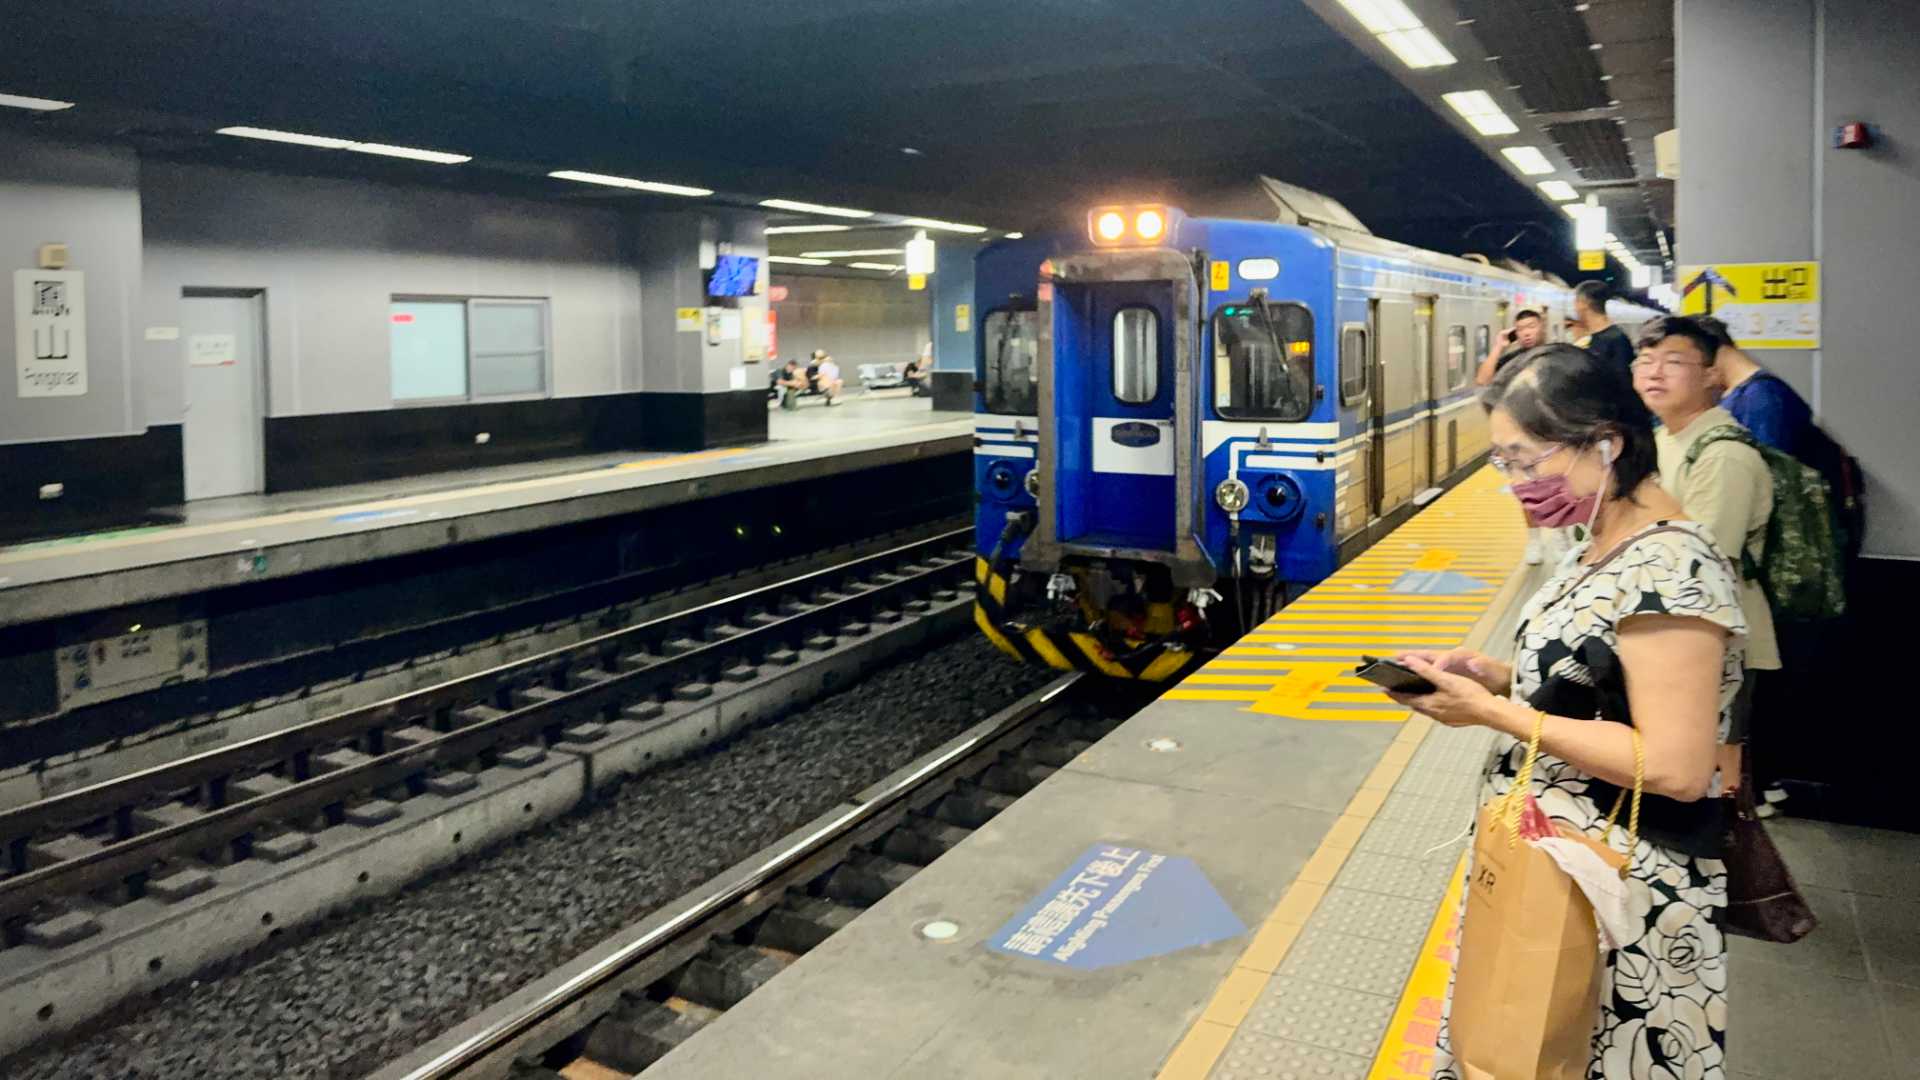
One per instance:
(1773, 305)
(50, 332)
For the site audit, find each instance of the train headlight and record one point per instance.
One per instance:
(1231, 495)
(1110, 225)
(1033, 482)
(1149, 224)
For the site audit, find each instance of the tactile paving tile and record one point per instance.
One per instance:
(1253, 1056)
(1448, 752)
(1405, 806)
(1441, 838)
(1410, 878)
(1304, 1011)
(1439, 784)
(1372, 915)
(1356, 963)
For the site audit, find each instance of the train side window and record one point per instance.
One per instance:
(1136, 355)
(1010, 342)
(1456, 356)
(1263, 362)
(1353, 364)
(1482, 343)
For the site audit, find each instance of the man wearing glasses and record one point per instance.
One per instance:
(1726, 485)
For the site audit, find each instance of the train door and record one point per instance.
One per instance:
(1393, 349)
(1426, 452)
(1127, 446)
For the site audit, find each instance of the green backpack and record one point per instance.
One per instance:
(1803, 568)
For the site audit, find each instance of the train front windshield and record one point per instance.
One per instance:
(1011, 341)
(1263, 362)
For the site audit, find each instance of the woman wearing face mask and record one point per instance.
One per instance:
(1638, 628)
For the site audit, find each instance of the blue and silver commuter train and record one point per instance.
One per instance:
(1181, 421)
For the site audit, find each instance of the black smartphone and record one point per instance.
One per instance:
(1396, 677)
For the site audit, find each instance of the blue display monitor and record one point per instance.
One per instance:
(733, 275)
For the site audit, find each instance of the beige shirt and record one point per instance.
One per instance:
(1730, 491)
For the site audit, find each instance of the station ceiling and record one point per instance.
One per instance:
(1013, 114)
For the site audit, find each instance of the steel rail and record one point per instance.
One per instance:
(902, 786)
(132, 852)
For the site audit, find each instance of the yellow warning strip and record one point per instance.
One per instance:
(1406, 1053)
(1194, 1056)
(1468, 507)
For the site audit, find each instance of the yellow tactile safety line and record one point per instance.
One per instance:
(1475, 506)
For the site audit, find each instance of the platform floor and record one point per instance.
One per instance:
(1324, 831)
(276, 534)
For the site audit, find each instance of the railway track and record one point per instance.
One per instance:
(123, 886)
(621, 1007)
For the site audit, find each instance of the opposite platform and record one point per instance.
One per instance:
(284, 536)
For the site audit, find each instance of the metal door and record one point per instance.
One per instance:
(222, 337)
(1129, 499)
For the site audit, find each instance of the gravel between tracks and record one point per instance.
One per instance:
(365, 986)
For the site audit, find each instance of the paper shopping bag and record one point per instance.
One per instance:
(1526, 988)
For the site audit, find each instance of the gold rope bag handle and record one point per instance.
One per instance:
(1633, 814)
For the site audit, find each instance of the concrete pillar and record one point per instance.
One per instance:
(703, 361)
(955, 325)
(1772, 186)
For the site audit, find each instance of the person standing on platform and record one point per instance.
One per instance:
(1762, 401)
(1724, 484)
(1528, 331)
(1640, 630)
(1596, 331)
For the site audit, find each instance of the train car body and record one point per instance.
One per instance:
(1223, 412)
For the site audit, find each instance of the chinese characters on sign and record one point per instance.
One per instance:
(1118, 904)
(50, 332)
(1413, 1035)
(1765, 305)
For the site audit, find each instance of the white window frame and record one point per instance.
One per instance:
(545, 305)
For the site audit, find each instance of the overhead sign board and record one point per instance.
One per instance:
(1765, 305)
(1593, 260)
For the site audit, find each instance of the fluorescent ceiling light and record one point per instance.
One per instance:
(1573, 210)
(853, 254)
(631, 184)
(1400, 31)
(776, 230)
(438, 157)
(792, 260)
(1016, 236)
(814, 208)
(294, 137)
(1528, 159)
(1559, 190)
(38, 104)
(932, 223)
(888, 267)
(327, 142)
(1478, 109)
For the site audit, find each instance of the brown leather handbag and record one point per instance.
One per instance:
(1762, 900)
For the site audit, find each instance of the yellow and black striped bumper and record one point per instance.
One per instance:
(1065, 649)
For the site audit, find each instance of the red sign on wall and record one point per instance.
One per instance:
(777, 293)
(773, 332)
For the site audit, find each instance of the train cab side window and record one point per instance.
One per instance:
(1010, 343)
(1263, 361)
(1136, 355)
(1456, 356)
(1353, 364)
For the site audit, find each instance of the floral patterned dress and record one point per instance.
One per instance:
(1663, 997)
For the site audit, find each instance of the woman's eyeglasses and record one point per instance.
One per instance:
(1524, 468)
